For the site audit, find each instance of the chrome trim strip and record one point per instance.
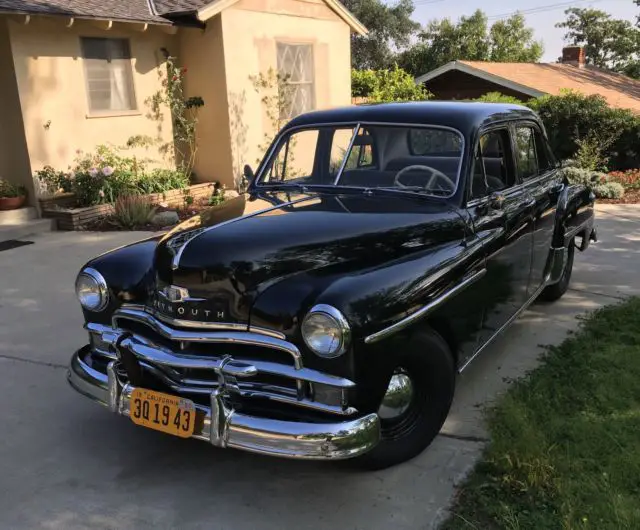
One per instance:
(196, 324)
(424, 311)
(346, 155)
(229, 337)
(225, 427)
(285, 131)
(503, 327)
(175, 263)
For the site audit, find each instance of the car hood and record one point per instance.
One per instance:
(226, 256)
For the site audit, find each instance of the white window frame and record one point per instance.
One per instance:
(98, 113)
(288, 114)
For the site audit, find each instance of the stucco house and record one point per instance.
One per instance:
(472, 79)
(76, 73)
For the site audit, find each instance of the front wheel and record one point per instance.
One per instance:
(416, 403)
(555, 291)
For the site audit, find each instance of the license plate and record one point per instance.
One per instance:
(163, 412)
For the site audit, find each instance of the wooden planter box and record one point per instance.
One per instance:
(69, 218)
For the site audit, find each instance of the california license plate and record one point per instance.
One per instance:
(163, 412)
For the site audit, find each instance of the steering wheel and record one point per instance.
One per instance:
(434, 175)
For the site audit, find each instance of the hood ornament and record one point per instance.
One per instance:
(174, 293)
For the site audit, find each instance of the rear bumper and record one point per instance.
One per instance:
(224, 427)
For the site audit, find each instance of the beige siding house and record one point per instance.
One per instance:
(73, 75)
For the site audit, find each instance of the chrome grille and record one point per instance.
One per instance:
(244, 364)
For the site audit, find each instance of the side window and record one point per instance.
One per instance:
(543, 152)
(295, 158)
(362, 155)
(526, 156)
(339, 146)
(492, 169)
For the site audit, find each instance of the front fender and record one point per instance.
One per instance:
(128, 271)
(371, 299)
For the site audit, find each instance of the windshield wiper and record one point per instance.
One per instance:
(420, 190)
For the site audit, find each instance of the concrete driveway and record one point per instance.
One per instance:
(67, 463)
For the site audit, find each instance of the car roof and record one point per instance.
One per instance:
(465, 116)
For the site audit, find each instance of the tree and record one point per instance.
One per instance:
(609, 43)
(390, 26)
(471, 39)
(512, 42)
(380, 86)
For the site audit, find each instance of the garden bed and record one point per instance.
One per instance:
(107, 224)
(73, 218)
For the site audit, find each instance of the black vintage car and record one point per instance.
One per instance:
(325, 313)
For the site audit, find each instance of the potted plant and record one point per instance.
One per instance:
(11, 196)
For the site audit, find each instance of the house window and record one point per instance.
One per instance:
(107, 64)
(295, 61)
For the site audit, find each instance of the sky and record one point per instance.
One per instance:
(543, 22)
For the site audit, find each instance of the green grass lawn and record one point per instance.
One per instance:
(565, 441)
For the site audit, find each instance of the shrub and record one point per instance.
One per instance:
(8, 190)
(161, 180)
(608, 190)
(575, 121)
(105, 175)
(52, 181)
(132, 211)
(217, 197)
(363, 82)
(497, 97)
(596, 181)
(591, 153)
(387, 85)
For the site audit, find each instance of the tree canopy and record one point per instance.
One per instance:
(471, 38)
(390, 26)
(609, 43)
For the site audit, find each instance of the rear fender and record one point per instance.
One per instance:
(574, 217)
(574, 224)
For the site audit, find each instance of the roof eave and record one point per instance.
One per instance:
(86, 17)
(477, 72)
(217, 6)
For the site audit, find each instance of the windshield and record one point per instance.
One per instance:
(419, 159)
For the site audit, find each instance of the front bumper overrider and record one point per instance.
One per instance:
(222, 426)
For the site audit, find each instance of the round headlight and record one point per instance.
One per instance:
(91, 290)
(326, 331)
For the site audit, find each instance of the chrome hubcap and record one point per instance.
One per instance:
(398, 397)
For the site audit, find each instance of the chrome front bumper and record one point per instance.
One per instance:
(224, 427)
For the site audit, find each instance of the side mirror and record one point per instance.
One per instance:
(248, 173)
(496, 201)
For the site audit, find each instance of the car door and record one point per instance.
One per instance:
(537, 170)
(502, 213)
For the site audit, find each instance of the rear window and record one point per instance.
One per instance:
(436, 142)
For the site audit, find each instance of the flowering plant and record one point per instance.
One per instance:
(629, 179)
(184, 113)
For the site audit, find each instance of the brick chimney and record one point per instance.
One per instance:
(574, 55)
